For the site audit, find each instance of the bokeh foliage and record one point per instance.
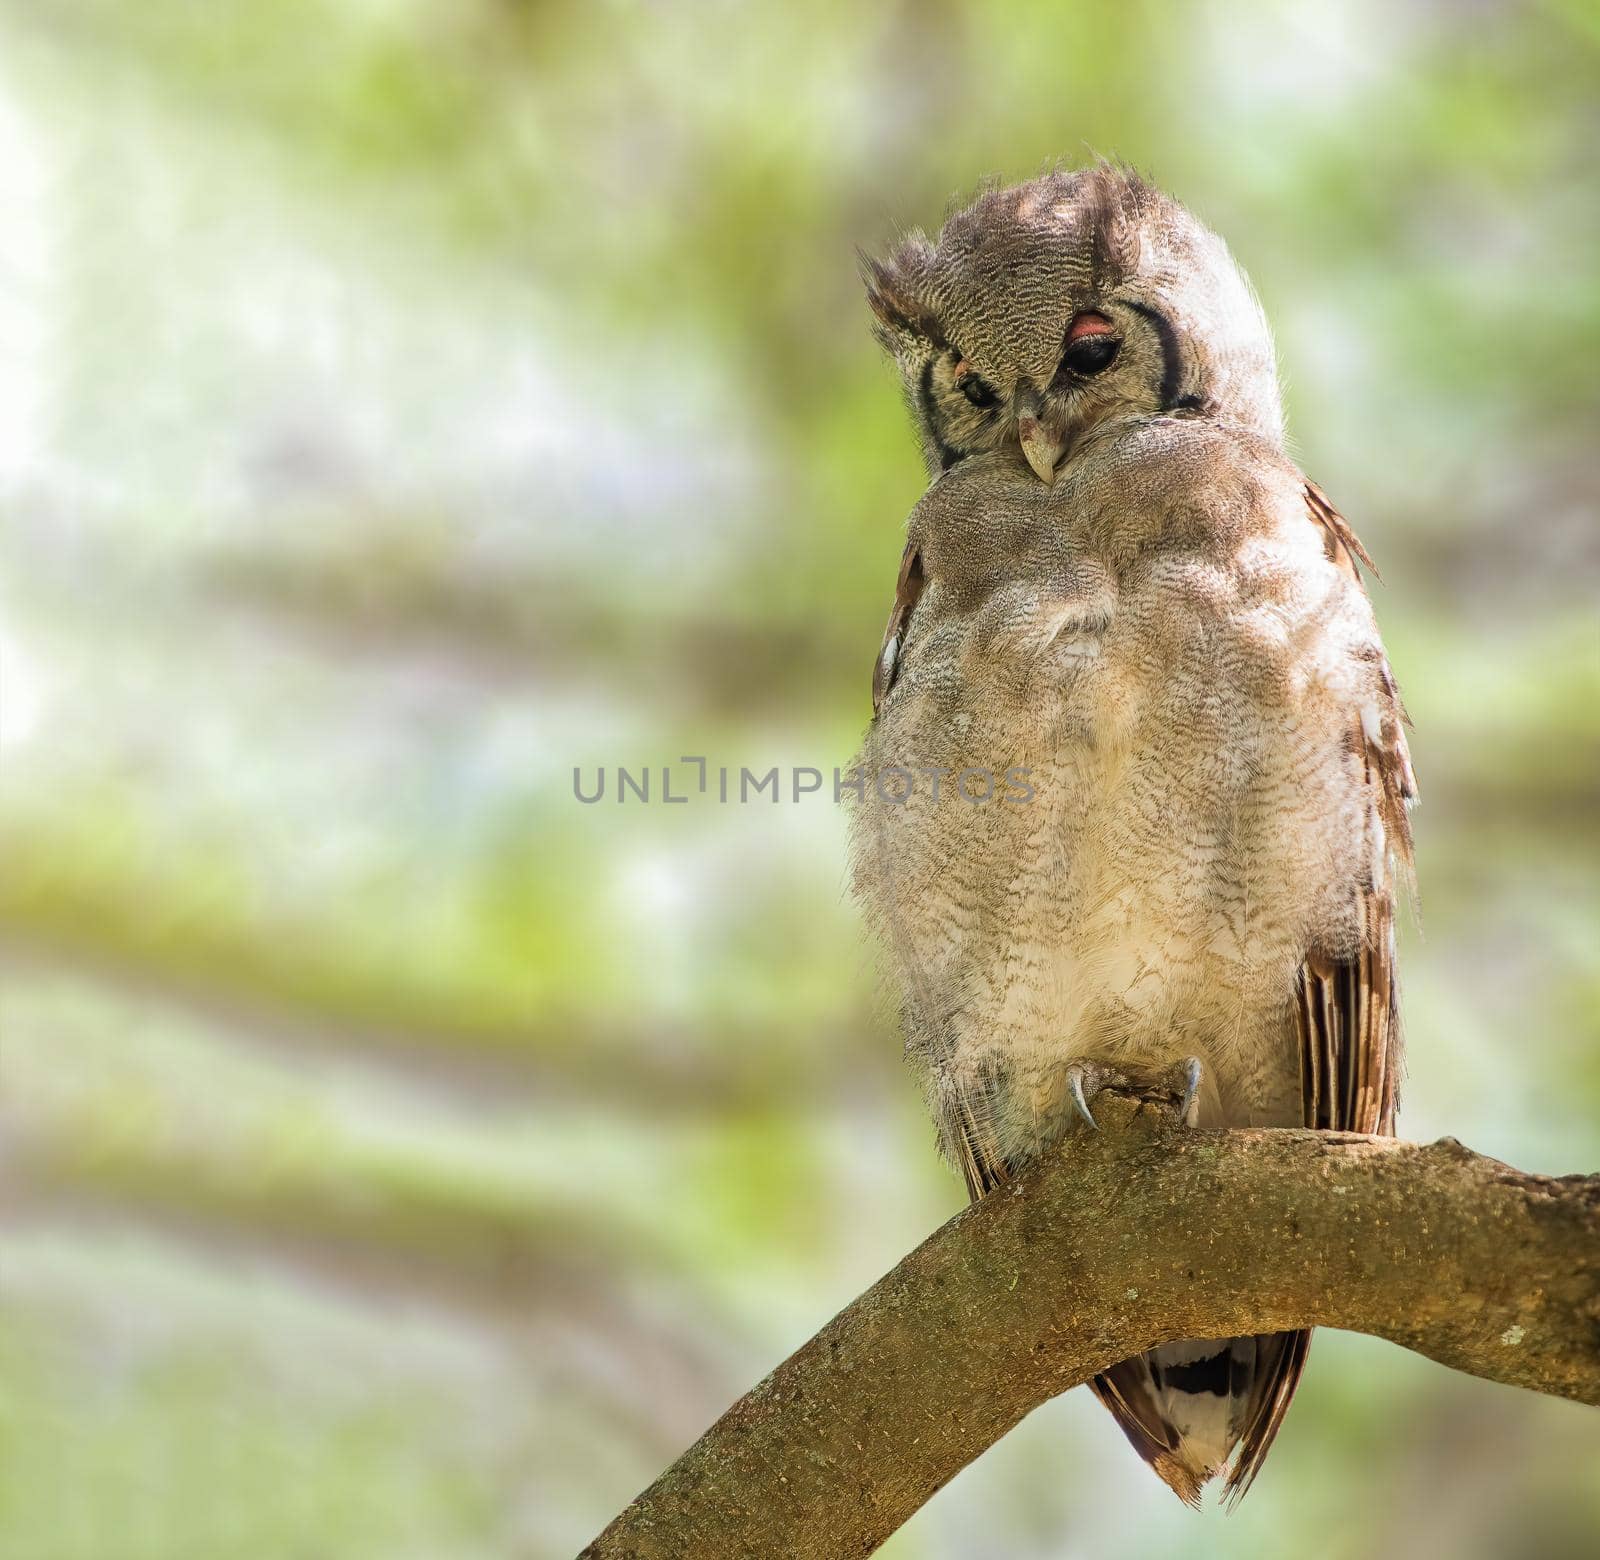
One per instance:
(404, 404)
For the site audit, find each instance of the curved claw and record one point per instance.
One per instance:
(1189, 1106)
(1075, 1077)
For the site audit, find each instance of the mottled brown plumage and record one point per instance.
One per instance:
(1119, 583)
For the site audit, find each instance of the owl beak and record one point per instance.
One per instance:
(1041, 447)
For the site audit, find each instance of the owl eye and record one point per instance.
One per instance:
(1091, 354)
(975, 388)
(979, 392)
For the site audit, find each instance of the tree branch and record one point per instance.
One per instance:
(1133, 1236)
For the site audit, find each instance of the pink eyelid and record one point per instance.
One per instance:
(1089, 324)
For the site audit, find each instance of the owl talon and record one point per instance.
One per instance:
(1181, 1087)
(1075, 1077)
(1189, 1105)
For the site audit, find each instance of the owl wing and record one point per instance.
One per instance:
(907, 591)
(1346, 1012)
(962, 1117)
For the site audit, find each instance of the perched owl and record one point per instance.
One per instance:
(1138, 785)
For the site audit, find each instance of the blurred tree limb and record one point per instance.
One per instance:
(1140, 1234)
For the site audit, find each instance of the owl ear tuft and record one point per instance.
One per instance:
(883, 293)
(1118, 202)
(900, 314)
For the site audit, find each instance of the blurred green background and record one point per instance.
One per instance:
(402, 404)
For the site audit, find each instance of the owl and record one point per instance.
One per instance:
(1137, 788)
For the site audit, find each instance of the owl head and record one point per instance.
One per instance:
(1046, 309)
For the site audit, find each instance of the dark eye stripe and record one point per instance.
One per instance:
(930, 418)
(1171, 363)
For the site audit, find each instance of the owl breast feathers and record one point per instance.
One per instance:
(1172, 641)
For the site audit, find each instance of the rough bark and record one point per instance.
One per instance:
(1129, 1237)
